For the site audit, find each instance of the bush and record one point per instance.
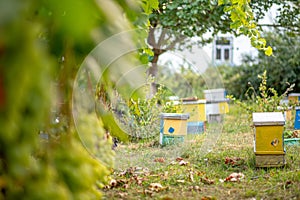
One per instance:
(266, 99)
(141, 119)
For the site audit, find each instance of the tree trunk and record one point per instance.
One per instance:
(153, 72)
(162, 44)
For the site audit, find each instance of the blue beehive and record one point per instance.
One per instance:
(297, 119)
(195, 127)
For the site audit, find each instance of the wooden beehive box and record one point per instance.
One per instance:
(215, 110)
(215, 94)
(294, 97)
(196, 109)
(197, 112)
(173, 127)
(297, 119)
(195, 127)
(223, 107)
(268, 139)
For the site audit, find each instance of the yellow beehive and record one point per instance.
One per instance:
(223, 107)
(174, 123)
(173, 126)
(268, 138)
(196, 109)
(294, 97)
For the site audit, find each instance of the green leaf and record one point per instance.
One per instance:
(269, 51)
(221, 2)
(154, 4)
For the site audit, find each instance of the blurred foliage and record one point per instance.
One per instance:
(42, 44)
(191, 18)
(283, 68)
(245, 16)
(243, 21)
(183, 82)
(188, 82)
(175, 22)
(140, 117)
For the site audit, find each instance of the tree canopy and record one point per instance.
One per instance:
(205, 19)
(282, 69)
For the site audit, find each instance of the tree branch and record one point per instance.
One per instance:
(294, 28)
(176, 41)
(161, 37)
(151, 38)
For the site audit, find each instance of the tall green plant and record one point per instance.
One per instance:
(42, 43)
(266, 99)
(142, 117)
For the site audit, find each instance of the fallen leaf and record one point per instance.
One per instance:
(180, 181)
(191, 176)
(161, 160)
(234, 177)
(179, 159)
(195, 187)
(122, 194)
(138, 180)
(207, 198)
(183, 163)
(173, 163)
(113, 183)
(156, 187)
(200, 173)
(207, 181)
(235, 161)
(134, 171)
(148, 192)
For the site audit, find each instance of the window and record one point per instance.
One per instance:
(226, 54)
(223, 50)
(222, 41)
(218, 54)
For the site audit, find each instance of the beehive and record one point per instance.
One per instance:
(196, 110)
(215, 94)
(223, 107)
(297, 119)
(215, 110)
(268, 139)
(269, 160)
(173, 127)
(294, 97)
(195, 127)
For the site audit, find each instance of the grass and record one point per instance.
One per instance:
(196, 169)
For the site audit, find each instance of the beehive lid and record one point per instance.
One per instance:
(189, 99)
(175, 115)
(294, 94)
(268, 118)
(217, 101)
(200, 101)
(214, 90)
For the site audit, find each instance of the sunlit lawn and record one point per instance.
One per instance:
(198, 169)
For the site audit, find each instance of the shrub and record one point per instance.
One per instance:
(141, 116)
(266, 99)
